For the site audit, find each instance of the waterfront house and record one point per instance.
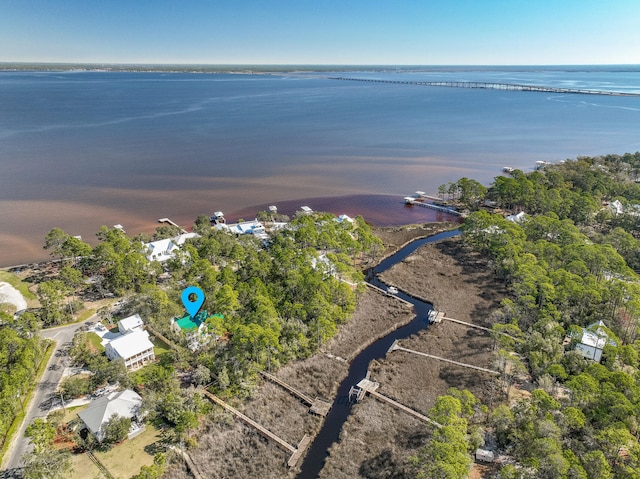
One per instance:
(125, 403)
(134, 349)
(245, 228)
(593, 340)
(165, 249)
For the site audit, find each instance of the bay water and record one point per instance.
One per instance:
(79, 149)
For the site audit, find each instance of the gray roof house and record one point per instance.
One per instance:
(125, 403)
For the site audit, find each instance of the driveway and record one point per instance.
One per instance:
(44, 397)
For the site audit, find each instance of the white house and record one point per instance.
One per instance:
(616, 207)
(130, 324)
(125, 403)
(133, 348)
(164, 249)
(594, 339)
(245, 228)
(192, 328)
(517, 218)
(344, 219)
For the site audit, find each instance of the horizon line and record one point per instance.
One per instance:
(9, 62)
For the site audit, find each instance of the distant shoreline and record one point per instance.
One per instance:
(289, 69)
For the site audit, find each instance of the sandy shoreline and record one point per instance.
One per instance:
(377, 209)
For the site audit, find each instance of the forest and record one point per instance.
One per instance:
(570, 263)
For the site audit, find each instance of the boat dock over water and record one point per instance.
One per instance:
(419, 200)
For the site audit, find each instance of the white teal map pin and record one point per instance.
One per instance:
(192, 307)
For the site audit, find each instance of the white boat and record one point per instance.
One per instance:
(392, 290)
(507, 169)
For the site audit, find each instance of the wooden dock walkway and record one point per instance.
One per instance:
(168, 221)
(317, 406)
(495, 86)
(464, 323)
(296, 452)
(367, 386)
(396, 347)
(412, 201)
(387, 293)
(190, 464)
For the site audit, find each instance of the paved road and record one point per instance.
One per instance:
(44, 397)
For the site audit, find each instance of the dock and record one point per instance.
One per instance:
(168, 221)
(316, 406)
(396, 347)
(296, 452)
(366, 386)
(412, 200)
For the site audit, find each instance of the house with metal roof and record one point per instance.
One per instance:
(194, 328)
(125, 403)
(130, 324)
(134, 349)
(593, 340)
(165, 249)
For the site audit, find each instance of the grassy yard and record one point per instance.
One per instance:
(95, 341)
(20, 285)
(159, 347)
(123, 460)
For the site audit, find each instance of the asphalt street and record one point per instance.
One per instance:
(44, 397)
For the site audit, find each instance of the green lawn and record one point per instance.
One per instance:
(159, 347)
(95, 341)
(17, 283)
(123, 460)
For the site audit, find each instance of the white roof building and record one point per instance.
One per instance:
(517, 218)
(133, 348)
(344, 218)
(164, 249)
(245, 228)
(130, 324)
(594, 339)
(125, 403)
(616, 207)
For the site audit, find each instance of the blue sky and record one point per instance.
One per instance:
(415, 32)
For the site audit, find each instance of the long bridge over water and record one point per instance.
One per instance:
(495, 86)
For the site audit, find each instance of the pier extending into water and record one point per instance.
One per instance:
(418, 200)
(367, 386)
(296, 452)
(168, 221)
(396, 347)
(496, 86)
(316, 406)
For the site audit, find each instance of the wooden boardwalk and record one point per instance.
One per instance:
(167, 220)
(296, 452)
(410, 200)
(317, 406)
(464, 323)
(367, 386)
(495, 86)
(396, 347)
